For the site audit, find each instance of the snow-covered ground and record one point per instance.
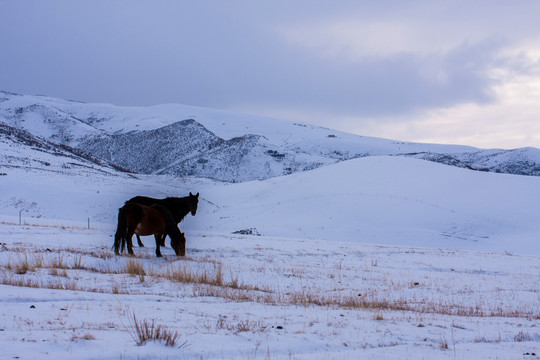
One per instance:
(377, 257)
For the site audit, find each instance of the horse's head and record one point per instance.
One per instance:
(193, 203)
(179, 247)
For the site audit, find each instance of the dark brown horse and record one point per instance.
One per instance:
(179, 207)
(147, 220)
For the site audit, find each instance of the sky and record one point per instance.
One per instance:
(454, 72)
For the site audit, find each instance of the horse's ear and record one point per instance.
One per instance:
(197, 195)
(190, 194)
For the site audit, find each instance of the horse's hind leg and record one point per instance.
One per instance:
(119, 236)
(163, 239)
(129, 242)
(117, 240)
(158, 243)
(139, 240)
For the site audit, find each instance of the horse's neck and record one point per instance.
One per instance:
(181, 209)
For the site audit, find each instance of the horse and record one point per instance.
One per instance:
(179, 207)
(147, 220)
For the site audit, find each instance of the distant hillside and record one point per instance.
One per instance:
(188, 141)
(524, 161)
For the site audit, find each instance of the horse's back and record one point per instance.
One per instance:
(144, 200)
(178, 207)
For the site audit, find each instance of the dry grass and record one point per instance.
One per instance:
(523, 336)
(86, 336)
(25, 262)
(56, 272)
(201, 275)
(58, 262)
(237, 326)
(143, 331)
(134, 268)
(209, 278)
(21, 281)
(78, 262)
(443, 344)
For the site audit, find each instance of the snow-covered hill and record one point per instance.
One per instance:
(21, 149)
(180, 140)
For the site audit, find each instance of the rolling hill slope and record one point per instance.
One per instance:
(180, 140)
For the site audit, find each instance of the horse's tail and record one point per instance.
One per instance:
(121, 231)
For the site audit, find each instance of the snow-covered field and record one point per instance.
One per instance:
(379, 257)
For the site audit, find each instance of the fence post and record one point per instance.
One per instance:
(20, 215)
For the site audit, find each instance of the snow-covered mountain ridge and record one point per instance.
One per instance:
(181, 140)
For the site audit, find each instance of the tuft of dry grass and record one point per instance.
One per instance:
(56, 272)
(378, 316)
(238, 326)
(86, 336)
(58, 262)
(523, 336)
(186, 274)
(143, 331)
(78, 263)
(443, 344)
(135, 268)
(24, 262)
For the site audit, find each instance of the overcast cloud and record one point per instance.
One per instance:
(463, 72)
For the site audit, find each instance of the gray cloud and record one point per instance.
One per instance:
(364, 59)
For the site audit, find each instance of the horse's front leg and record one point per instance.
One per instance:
(158, 243)
(139, 240)
(182, 246)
